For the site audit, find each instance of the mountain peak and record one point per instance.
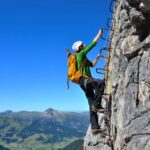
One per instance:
(50, 112)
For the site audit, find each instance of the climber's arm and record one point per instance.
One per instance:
(100, 32)
(94, 42)
(96, 59)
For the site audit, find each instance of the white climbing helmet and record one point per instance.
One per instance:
(76, 45)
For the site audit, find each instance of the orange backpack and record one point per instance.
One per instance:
(73, 73)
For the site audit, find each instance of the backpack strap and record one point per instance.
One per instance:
(68, 54)
(81, 68)
(82, 65)
(68, 83)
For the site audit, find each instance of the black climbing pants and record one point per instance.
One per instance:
(93, 89)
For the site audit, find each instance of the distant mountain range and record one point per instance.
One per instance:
(48, 130)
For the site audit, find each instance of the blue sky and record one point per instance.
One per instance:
(33, 64)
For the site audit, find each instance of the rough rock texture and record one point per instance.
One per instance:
(129, 81)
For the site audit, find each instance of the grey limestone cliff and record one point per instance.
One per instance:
(128, 123)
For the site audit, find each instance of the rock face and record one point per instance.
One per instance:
(129, 80)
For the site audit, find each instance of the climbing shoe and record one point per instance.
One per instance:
(100, 110)
(100, 130)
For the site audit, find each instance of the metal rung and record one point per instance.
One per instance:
(105, 39)
(102, 69)
(111, 3)
(110, 26)
(105, 49)
(108, 22)
(104, 57)
(99, 72)
(110, 6)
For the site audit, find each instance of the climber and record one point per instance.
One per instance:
(93, 88)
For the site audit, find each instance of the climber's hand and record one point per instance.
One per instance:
(68, 52)
(100, 32)
(99, 55)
